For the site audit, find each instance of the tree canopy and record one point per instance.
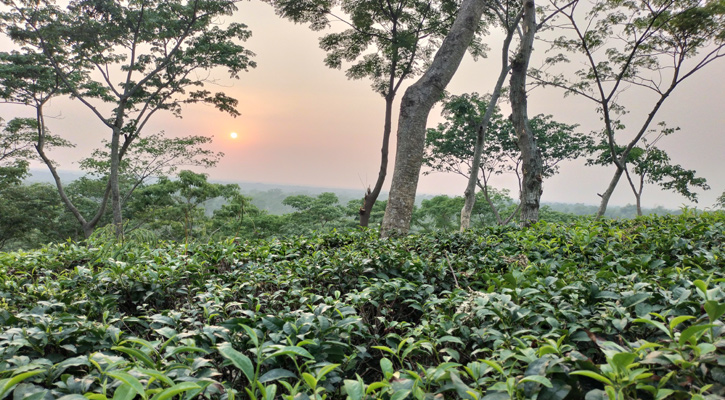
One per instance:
(141, 57)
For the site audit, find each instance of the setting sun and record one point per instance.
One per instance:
(233, 135)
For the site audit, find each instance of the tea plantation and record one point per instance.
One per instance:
(596, 310)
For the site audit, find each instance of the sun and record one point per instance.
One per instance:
(233, 135)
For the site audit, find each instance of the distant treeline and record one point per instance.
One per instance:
(190, 207)
(271, 200)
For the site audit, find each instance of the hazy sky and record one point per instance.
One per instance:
(305, 124)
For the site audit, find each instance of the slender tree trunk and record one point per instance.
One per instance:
(484, 189)
(608, 193)
(615, 179)
(470, 192)
(530, 156)
(637, 193)
(639, 205)
(372, 196)
(115, 190)
(87, 226)
(414, 109)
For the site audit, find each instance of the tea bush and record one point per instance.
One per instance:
(596, 310)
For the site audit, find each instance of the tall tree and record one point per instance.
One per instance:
(450, 146)
(650, 45)
(386, 41)
(508, 18)
(26, 79)
(648, 164)
(140, 56)
(415, 107)
(531, 163)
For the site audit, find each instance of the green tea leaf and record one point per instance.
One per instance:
(238, 359)
(275, 374)
(174, 390)
(621, 361)
(310, 380)
(714, 310)
(130, 380)
(326, 370)
(126, 392)
(188, 349)
(593, 375)
(538, 379)
(355, 389)
(384, 348)
(160, 376)
(136, 354)
(7, 384)
(678, 320)
(494, 365)
(691, 332)
(252, 335)
(702, 286)
(292, 351)
(387, 367)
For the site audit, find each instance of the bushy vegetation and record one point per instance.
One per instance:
(190, 207)
(602, 309)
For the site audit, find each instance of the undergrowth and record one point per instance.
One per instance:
(598, 309)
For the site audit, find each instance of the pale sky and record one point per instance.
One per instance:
(305, 124)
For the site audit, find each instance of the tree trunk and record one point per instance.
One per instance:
(639, 205)
(637, 193)
(530, 156)
(372, 196)
(608, 193)
(113, 178)
(414, 109)
(87, 226)
(470, 192)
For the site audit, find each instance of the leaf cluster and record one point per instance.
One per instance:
(632, 308)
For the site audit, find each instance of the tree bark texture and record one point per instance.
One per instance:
(531, 158)
(414, 110)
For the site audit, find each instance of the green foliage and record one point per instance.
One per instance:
(602, 309)
(652, 166)
(154, 156)
(172, 208)
(29, 215)
(382, 42)
(720, 202)
(162, 51)
(450, 146)
(441, 213)
(314, 213)
(17, 140)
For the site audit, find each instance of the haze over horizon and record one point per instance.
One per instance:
(307, 125)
